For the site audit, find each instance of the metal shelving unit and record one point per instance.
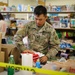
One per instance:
(66, 29)
(52, 12)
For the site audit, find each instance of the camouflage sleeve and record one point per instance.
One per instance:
(18, 38)
(53, 44)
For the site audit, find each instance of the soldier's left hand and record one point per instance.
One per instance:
(43, 59)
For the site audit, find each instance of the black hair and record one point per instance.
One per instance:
(40, 10)
(1, 17)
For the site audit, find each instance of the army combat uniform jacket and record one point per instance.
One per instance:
(41, 39)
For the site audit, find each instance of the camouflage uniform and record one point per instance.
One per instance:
(41, 39)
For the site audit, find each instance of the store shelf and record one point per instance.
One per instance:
(67, 29)
(15, 12)
(47, 12)
(61, 12)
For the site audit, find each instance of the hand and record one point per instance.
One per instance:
(43, 60)
(28, 51)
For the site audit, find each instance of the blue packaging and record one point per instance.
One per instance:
(38, 65)
(19, 7)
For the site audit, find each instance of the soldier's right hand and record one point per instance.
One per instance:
(28, 51)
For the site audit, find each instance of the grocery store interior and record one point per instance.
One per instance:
(61, 14)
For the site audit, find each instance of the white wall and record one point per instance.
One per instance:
(34, 3)
(25, 2)
(3, 1)
(60, 2)
(16, 2)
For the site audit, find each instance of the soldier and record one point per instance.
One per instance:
(42, 36)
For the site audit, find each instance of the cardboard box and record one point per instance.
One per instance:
(0, 40)
(1, 60)
(11, 49)
(16, 54)
(7, 49)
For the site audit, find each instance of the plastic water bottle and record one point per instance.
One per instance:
(11, 71)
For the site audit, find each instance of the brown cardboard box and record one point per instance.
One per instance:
(16, 54)
(11, 49)
(1, 60)
(0, 40)
(7, 49)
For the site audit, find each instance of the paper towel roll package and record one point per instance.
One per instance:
(27, 60)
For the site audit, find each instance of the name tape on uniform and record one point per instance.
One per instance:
(36, 70)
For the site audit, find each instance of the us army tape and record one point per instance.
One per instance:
(36, 70)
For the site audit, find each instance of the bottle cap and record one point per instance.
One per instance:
(11, 55)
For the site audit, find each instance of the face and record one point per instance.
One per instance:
(40, 20)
